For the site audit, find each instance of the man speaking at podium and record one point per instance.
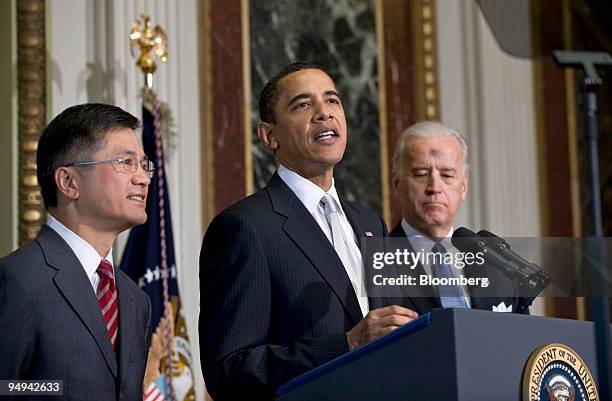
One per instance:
(281, 275)
(430, 178)
(67, 313)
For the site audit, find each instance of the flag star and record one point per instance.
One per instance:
(502, 307)
(156, 273)
(149, 275)
(141, 282)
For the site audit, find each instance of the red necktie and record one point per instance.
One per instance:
(107, 299)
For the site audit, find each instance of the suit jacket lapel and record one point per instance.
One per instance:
(302, 228)
(126, 323)
(485, 298)
(73, 283)
(352, 216)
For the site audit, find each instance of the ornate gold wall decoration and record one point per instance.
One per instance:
(31, 76)
(426, 58)
(408, 79)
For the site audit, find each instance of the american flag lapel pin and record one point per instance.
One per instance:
(369, 234)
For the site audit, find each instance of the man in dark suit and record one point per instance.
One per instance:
(68, 314)
(281, 275)
(430, 178)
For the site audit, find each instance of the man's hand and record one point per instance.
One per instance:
(379, 322)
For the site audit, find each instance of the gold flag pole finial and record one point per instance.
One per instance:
(148, 39)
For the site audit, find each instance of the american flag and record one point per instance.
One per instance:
(149, 260)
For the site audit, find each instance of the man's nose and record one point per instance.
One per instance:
(434, 183)
(141, 177)
(323, 112)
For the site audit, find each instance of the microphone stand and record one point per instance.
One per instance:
(599, 301)
(532, 284)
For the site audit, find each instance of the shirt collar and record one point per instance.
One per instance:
(308, 192)
(420, 241)
(85, 253)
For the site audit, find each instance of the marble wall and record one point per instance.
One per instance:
(340, 35)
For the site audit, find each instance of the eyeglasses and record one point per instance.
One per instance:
(123, 165)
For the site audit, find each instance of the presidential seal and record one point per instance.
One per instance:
(555, 372)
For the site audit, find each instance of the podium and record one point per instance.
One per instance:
(448, 354)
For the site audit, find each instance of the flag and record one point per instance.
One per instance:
(149, 260)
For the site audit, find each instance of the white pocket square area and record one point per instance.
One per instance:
(502, 308)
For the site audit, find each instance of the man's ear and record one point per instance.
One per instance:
(67, 181)
(395, 182)
(266, 134)
(464, 187)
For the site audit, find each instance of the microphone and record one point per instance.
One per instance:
(503, 248)
(529, 277)
(468, 241)
(536, 279)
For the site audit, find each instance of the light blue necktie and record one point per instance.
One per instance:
(451, 296)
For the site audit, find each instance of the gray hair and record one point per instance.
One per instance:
(426, 129)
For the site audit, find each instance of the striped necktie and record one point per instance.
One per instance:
(341, 246)
(107, 299)
(451, 296)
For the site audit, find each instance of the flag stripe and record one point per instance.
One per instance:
(153, 396)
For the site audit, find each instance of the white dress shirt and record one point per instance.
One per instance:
(422, 243)
(85, 253)
(310, 195)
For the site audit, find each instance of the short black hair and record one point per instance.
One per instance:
(270, 93)
(72, 136)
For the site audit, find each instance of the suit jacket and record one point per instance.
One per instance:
(275, 298)
(53, 327)
(480, 298)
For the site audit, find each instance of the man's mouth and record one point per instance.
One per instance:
(325, 135)
(137, 197)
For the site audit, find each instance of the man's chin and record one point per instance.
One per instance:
(331, 160)
(137, 220)
(435, 220)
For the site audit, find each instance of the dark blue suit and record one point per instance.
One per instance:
(480, 298)
(52, 327)
(275, 298)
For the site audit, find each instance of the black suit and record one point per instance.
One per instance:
(479, 297)
(52, 326)
(275, 298)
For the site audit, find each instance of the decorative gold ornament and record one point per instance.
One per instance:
(30, 180)
(31, 84)
(32, 216)
(426, 60)
(148, 39)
